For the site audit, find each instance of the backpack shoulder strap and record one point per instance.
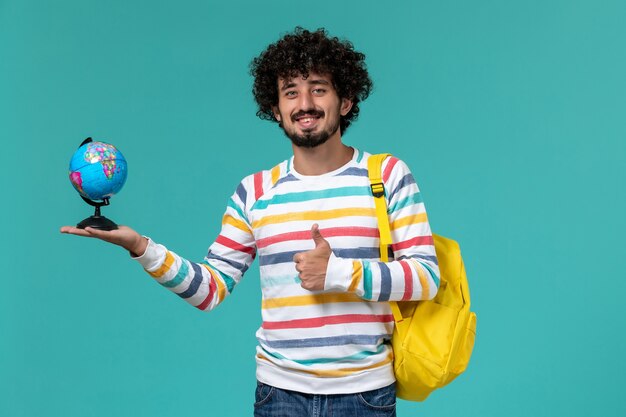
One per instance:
(374, 172)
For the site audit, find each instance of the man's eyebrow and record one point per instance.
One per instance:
(319, 81)
(287, 86)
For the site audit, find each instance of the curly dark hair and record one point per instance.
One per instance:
(302, 52)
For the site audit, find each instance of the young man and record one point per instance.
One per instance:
(324, 344)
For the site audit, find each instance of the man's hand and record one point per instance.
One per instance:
(312, 264)
(124, 237)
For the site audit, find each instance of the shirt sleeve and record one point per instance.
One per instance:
(413, 274)
(206, 284)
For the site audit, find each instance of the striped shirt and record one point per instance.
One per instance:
(323, 342)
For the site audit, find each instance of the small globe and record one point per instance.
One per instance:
(98, 170)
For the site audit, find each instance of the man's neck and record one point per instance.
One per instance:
(322, 159)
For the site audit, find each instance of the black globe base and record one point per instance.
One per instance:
(98, 222)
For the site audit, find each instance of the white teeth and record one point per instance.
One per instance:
(307, 119)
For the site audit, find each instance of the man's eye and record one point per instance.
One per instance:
(290, 93)
(319, 91)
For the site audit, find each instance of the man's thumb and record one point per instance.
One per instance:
(317, 236)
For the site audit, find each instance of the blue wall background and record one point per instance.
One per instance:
(511, 115)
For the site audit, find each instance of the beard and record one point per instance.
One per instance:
(309, 138)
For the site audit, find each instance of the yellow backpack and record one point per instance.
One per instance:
(433, 340)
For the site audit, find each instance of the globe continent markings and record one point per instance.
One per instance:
(102, 172)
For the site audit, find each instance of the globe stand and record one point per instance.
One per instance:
(97, 221)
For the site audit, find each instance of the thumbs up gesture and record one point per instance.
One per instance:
(312, 264)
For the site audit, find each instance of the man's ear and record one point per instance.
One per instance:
(276, 113)
(346, 106)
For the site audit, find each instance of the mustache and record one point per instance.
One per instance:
(310, 113)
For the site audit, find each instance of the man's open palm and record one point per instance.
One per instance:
(124, 237)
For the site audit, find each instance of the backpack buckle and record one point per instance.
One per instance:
(378, 189)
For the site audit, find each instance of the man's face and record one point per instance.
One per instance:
(309, 109)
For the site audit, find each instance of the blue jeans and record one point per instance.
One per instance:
(277, 402)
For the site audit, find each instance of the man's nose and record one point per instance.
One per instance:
(305, 101)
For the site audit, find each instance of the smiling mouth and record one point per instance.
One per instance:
(307, 120)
